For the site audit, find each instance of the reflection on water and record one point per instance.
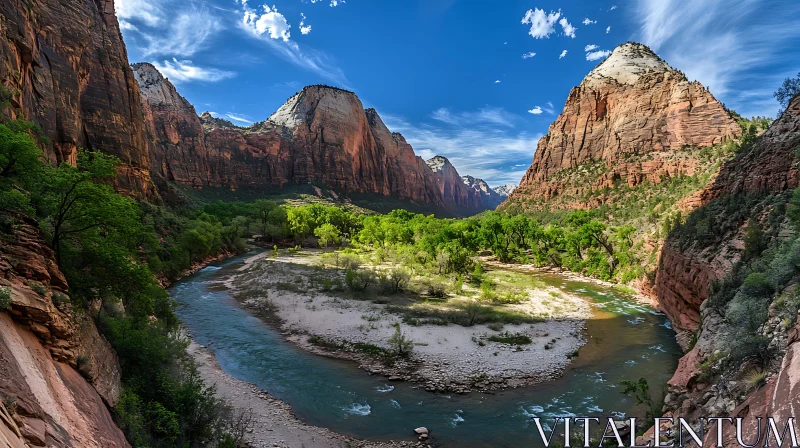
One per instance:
(625, 340)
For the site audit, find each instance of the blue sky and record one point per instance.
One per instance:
(476, 81)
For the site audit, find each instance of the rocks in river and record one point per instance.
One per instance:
(421, 430)
(395, 378)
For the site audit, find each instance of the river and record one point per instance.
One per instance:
(625, 340)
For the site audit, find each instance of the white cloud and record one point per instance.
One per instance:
(590, 47)
(588, 21)
(497, 81)
(613, 8)
(536, 111)
(335, 3)
(595, 55)
(482, 151)
(528, 55)
(304, 29)
(542, 24)
(127, 26)
(141, 10)
(239, 118)
(741, 51)
(270, 22)
(275, 31)
(184, 71)
(569, 30)
(608, 30)
(487, 115)
(187, 34)
(563, 53)
(550, 109)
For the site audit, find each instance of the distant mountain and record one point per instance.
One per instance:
(505, 190)
(322, 135)
(489, 195)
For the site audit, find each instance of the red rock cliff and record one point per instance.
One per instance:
(684, 276)
(43, 345)
(633, 113)
(66, 68)
(321, 135)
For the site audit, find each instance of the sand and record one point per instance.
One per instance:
(445, 358)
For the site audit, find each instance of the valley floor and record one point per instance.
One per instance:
(283, 288)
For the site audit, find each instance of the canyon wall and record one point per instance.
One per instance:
(65, 67)
(632, 114)
(59, 373)
(770, 166)
(321, 135)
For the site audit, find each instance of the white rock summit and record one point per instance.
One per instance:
(626, 65)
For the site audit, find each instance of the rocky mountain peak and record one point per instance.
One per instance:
(157, 89)
(333, 102)
(438, 164)
(505, 190)
(626, 64)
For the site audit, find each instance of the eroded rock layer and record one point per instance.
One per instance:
(64, 66)
(321, 135)
(44, 345)
(633, 113)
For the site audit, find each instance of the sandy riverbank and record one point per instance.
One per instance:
(274, 423)
(450, 358)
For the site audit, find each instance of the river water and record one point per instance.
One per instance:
(625, 340)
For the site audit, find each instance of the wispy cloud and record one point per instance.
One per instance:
(482, 151)
(184, 71)
(740, 50)
(144, 10)
(612, 8)
(563, 53)
(550, 109)
(240, 118)
(591, 47)
(608, 30)
(271, 27)
(188, 33)
(486, 115)
(528, 55)
(596, 55)
(588, 21)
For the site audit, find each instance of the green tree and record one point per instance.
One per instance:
(787, 91)
(328, 234)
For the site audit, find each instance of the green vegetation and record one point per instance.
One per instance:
(399, 344)
(511, 338)
(5, 297)
(788, 90)
(110, 248)
(640, 391)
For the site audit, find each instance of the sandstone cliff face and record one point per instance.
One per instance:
(43, 344)
(321, 135)
(66, 68)
(490, 196)
(451, 185)
(632, 113)
(684, 276)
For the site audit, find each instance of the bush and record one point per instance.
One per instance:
(5, 298)
(399, 344)
(436, 289)
(511, 338)
(487, 291)
(753, 348)
(38, 288)
(359, 280)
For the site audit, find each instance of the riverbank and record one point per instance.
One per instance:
(274, 422)
(284, 290)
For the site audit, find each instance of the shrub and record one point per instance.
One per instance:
(511, 338)
(755, 378)
(753, 348)
(436, 289)
(5, 297)
(399, 344)
(487, 291)
(495, 326)
(512, 297)
(359, 280)
(38, 288)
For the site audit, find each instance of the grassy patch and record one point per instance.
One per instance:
(511, 338)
